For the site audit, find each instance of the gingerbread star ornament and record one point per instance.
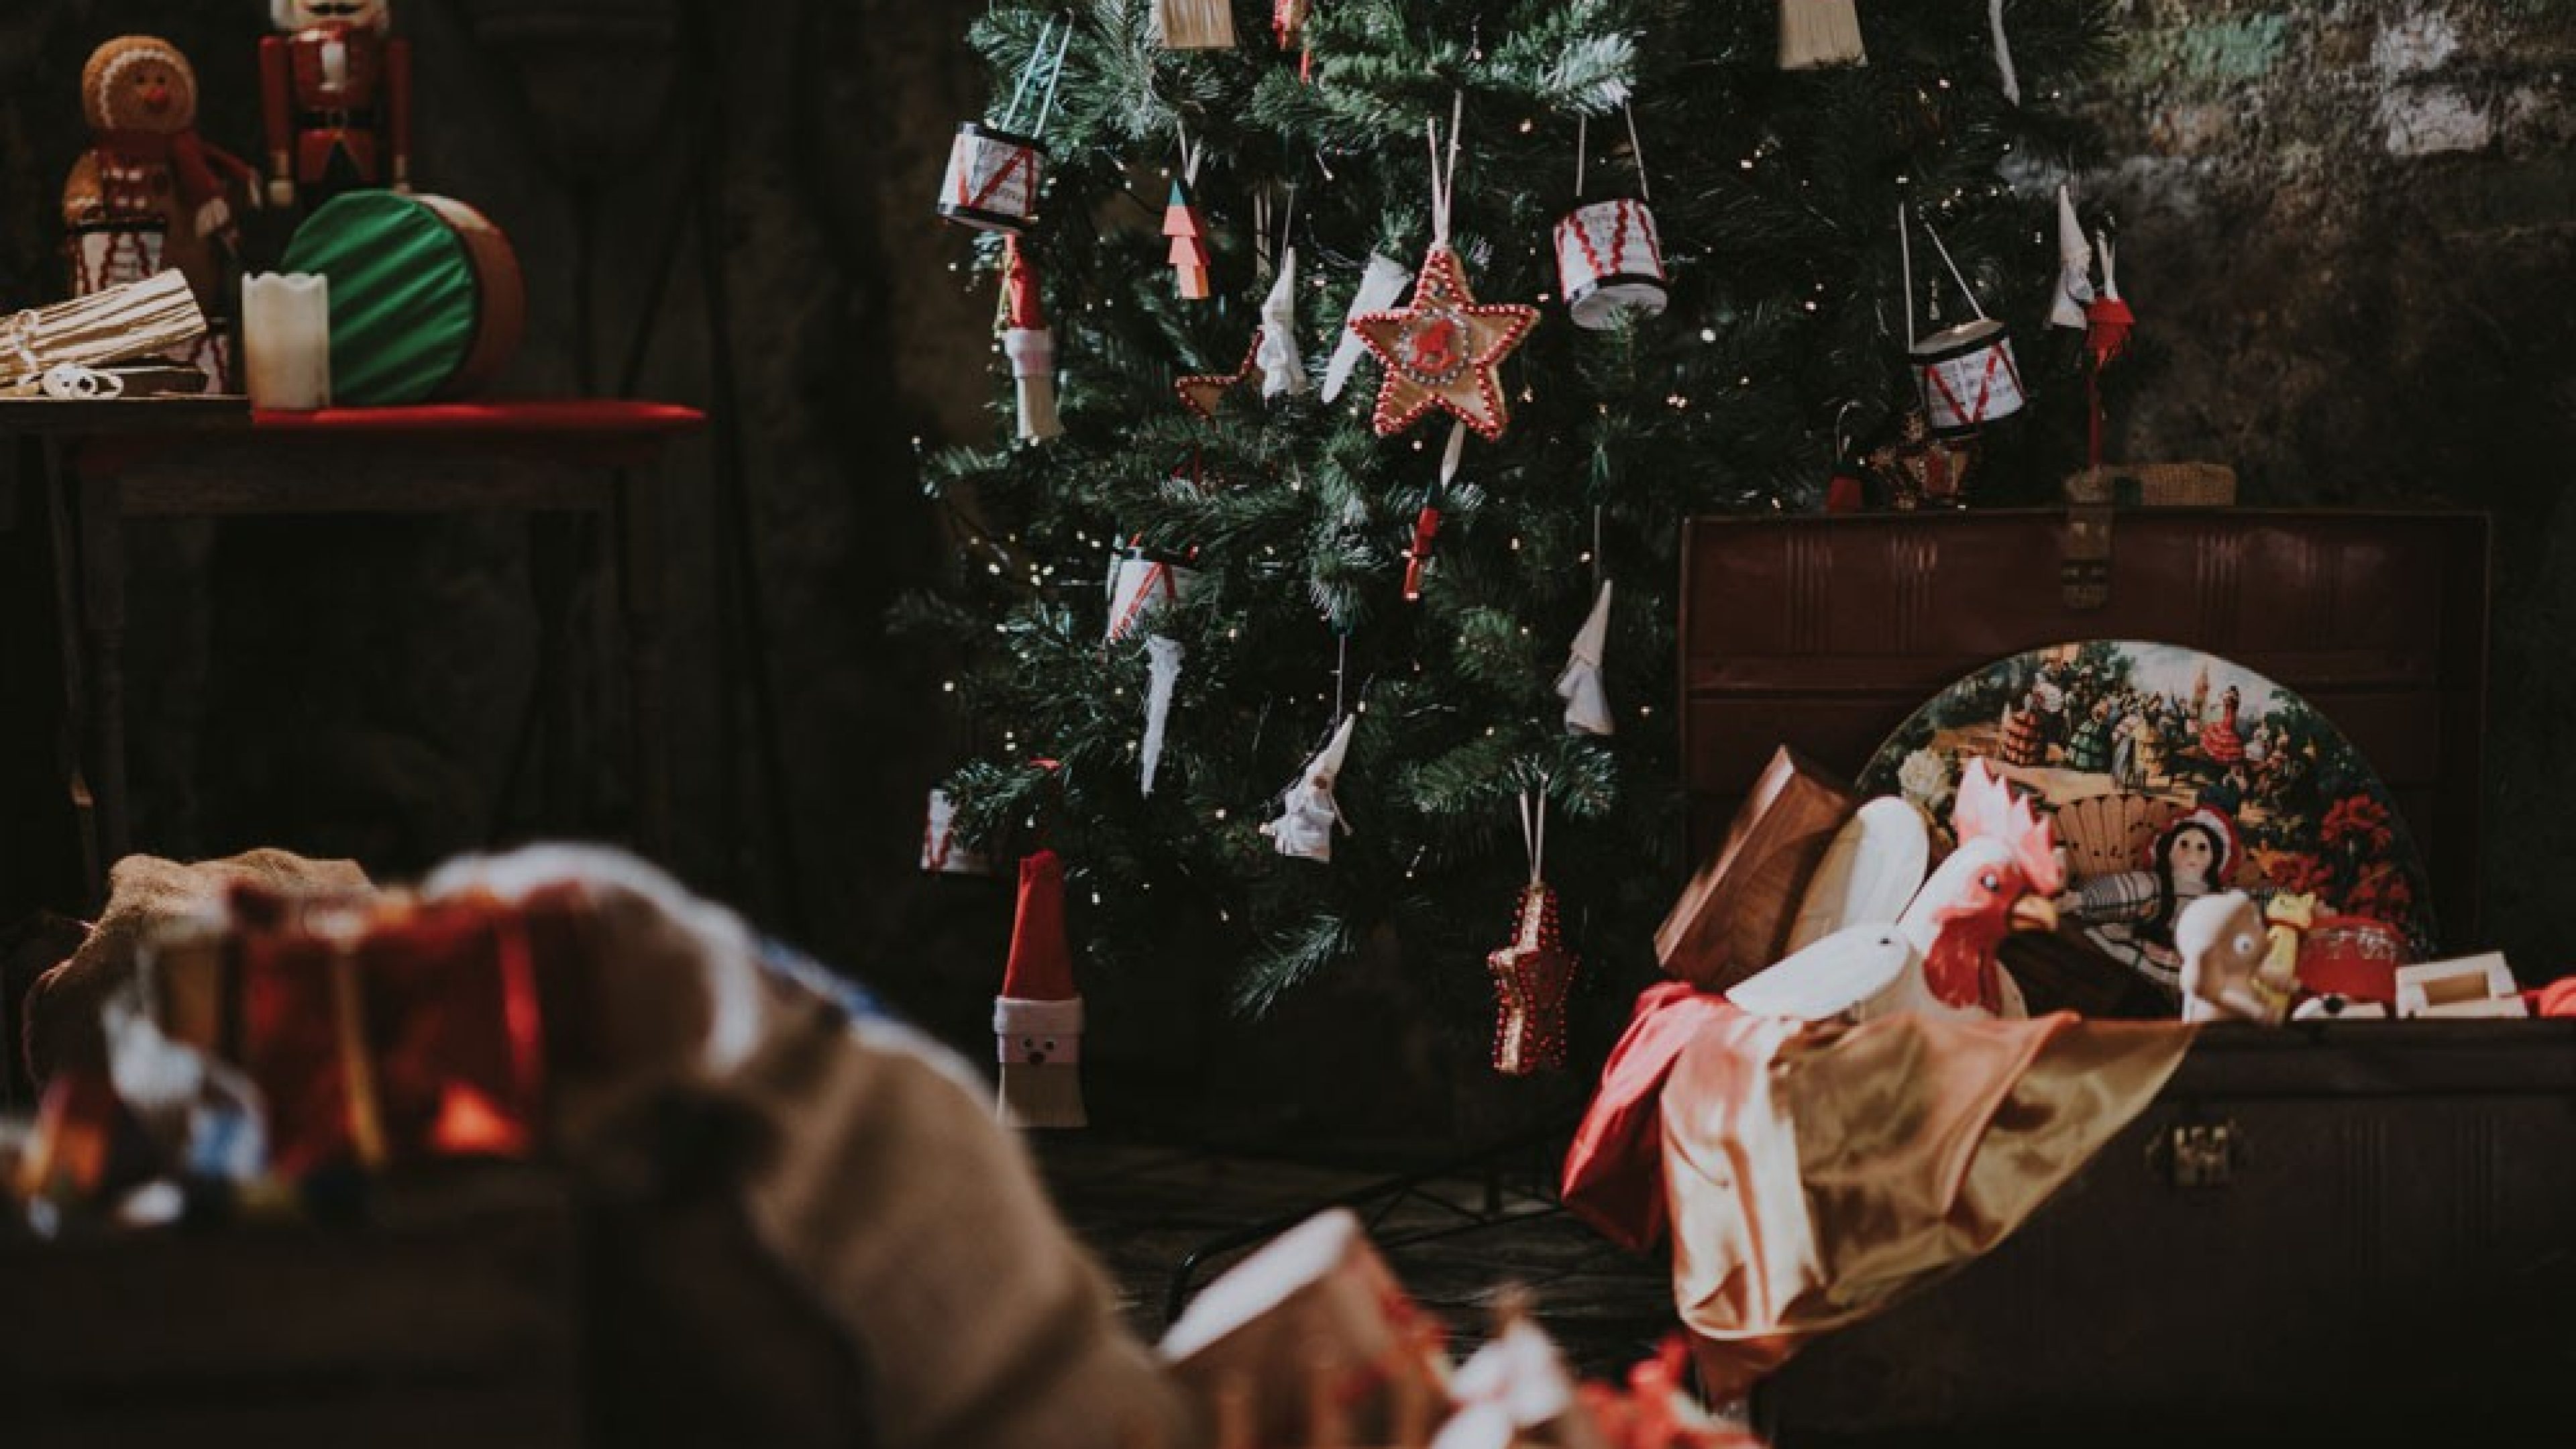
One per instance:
(1444, 351)
(1202, 393)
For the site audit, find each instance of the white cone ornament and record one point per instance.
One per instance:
(1816, 33)
(1610, 262)
(1381, 286)
(1029, 345)
(2074, 267)
(1037, 1019)
(1309, 814)
(1163, 665)
(1138, 586)
(2005, 75)
(1587, 706)
(942, 853)
(1282, 370)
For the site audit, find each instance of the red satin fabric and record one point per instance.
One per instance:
(1614, 1172)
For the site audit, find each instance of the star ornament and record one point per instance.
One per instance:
(1443, 351)
(1203, 393)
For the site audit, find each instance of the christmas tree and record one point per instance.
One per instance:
(1782, 346)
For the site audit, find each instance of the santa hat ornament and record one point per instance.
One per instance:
(1609, 261)
(1818, 33)
(1587, 707)
(994, 170)
(1037, 1020)
(1029, 345)
(2107, 325)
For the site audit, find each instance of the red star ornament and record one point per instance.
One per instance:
(1443, 351)
(1203, 392)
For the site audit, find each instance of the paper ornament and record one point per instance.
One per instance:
(1274, 353)
(1037, 1018)
(1187, 227)
(1442, 351)
(1609, 263)
(1028, 344)
(2074, 267)
(1309, 814)
(1815, 33)
(1194, 24)
(942, 853)
(1163, 671)
(1139, 585)
(1587, 708)
(1203, 393)
(1381, 283)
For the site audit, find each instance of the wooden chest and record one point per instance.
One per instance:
(1823, 633)
(2354, 1232)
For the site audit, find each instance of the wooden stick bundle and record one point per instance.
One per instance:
(157, 316)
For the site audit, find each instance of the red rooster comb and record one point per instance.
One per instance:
(1989, 810)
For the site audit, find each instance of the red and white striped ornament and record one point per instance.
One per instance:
(1610, 262)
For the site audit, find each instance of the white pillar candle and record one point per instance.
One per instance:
(286, 330)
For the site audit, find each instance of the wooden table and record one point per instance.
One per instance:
(549, 459)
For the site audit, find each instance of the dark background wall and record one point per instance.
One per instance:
(2350, 233)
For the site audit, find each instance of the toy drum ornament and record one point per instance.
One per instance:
(1967, 376)
(1610, 261)
(426, 296)
(992, 181)
(1139, 586)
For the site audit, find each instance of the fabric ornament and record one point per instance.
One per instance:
(1203, 393)
(1587, 707)
(1274, 352)
(1037, 1019)
(942, 853)
(1444, 349)
(1382, 281)
(1029, 345)
(1817, 33)
(1309, 814)
(2074, 267)
(1163, 666)
(1534, 974)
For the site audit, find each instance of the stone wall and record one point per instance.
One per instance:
(2349, 230)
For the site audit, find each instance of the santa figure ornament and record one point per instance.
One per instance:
(1308, 813)
(2107, 325)
(1275, 353)
(335, 97)
(1037, 1020)
(1029, 345)
(1587, 707)
(1534, 974)
(1445, 349)
(2074, 267)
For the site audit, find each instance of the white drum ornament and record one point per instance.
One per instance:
(1609, 261)
(1967, 376)
(1139, 587)
(992, 181)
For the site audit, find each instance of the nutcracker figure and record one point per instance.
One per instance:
(335, 93)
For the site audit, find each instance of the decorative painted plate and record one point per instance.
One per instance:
(2169, 773)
